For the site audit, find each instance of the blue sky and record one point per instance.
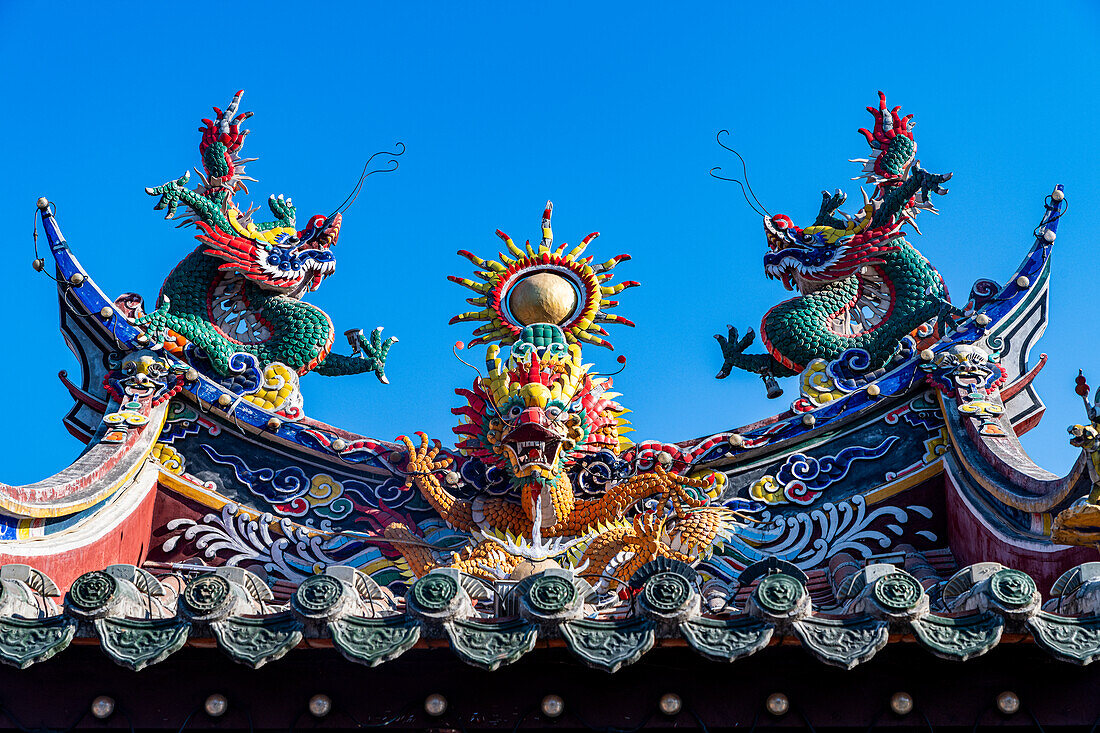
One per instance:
(608, 109)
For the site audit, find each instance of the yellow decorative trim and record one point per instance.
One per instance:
(24, 527)
(905, 482)
(196, 492)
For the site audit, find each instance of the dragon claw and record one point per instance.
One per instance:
(930, 182)
(422, 459)
(732, 348)
(283, 210)
(171, 194)
(733, 345)
(374, 349)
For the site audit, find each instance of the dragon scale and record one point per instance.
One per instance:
(904, 286)
(299, 334)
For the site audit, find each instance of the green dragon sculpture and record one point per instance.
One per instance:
(861, 284)
(240, 291)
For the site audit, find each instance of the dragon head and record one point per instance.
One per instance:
(800, 257)
(300, 261)
(275, 255)
(837, 247)
(280, 257)
(535, 414)
(808, 258)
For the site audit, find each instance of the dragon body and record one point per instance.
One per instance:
(240, 291)
(535, 418)
(861, 285)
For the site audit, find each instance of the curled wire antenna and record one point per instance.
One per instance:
(738, 182)
(458, 347)
(621, 360)
(398, 151)
(746, 187)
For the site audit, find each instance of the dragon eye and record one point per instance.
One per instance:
(515, 411)
(553, 412)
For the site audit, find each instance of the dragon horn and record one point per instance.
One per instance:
(234, 105)
(547, 232)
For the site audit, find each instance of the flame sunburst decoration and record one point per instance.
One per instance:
(542, 285)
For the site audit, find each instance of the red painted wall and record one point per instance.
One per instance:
(971, 542)
(128, 543)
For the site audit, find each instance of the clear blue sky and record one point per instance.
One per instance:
(608, 109)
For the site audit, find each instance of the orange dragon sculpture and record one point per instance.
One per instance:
(544, 419)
